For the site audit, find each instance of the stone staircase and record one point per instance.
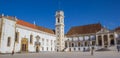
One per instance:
(112, 48)
(66, 49)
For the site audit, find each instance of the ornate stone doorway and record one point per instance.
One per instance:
(37, 48)
(24, 45)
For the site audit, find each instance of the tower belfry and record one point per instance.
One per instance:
(59, 30)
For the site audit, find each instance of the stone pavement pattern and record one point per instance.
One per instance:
(108, 54)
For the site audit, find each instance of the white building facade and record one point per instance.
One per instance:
(19, 36)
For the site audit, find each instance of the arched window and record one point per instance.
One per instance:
(72, 44)
(16, 36)
(86, 43)
(79, 44)
(42, 41)
(58, 20)
(31, 39)
(8, 41)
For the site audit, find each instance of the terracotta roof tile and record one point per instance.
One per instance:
(86, 29)
(23, 23)
(117, 29)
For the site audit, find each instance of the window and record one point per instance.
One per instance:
(9, 41)
(47, 41)
(85, 43)
(16, 36)
(31, 39)
(43, 41)
(79, 49)
(79, 44)
(58, 20)
(74, 49)
(72, 44)
(51, 48)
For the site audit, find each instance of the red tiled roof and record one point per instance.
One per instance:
(23, 23)
(117, 29)
(86, 29)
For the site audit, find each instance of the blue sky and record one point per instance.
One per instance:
(77, 12)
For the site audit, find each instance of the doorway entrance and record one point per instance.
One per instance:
(37, 48)
(24, 45)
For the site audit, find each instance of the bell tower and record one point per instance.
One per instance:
(59, 30)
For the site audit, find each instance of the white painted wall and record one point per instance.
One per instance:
(8, 30)
(26, 32)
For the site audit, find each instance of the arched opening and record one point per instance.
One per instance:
(66, 44)
(72, 44)
(99, 41)
(78, 44)
(24, 45)
(86, 43)
(105, 40)
(112, 40)
(37, 49)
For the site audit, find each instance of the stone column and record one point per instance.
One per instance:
(96, 40)
(102, 40)
(83, 41)
(115, 41)
(68, 44)
(108, 37)
(77, 44)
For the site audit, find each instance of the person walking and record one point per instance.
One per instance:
(118, 48)
(92, 48)
(12, 52)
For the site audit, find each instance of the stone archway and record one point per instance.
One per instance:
(112, 40)
(99, 41)
(37, 48)
(24, 45)
(105, 40)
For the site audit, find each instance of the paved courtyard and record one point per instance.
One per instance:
(106, 54)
